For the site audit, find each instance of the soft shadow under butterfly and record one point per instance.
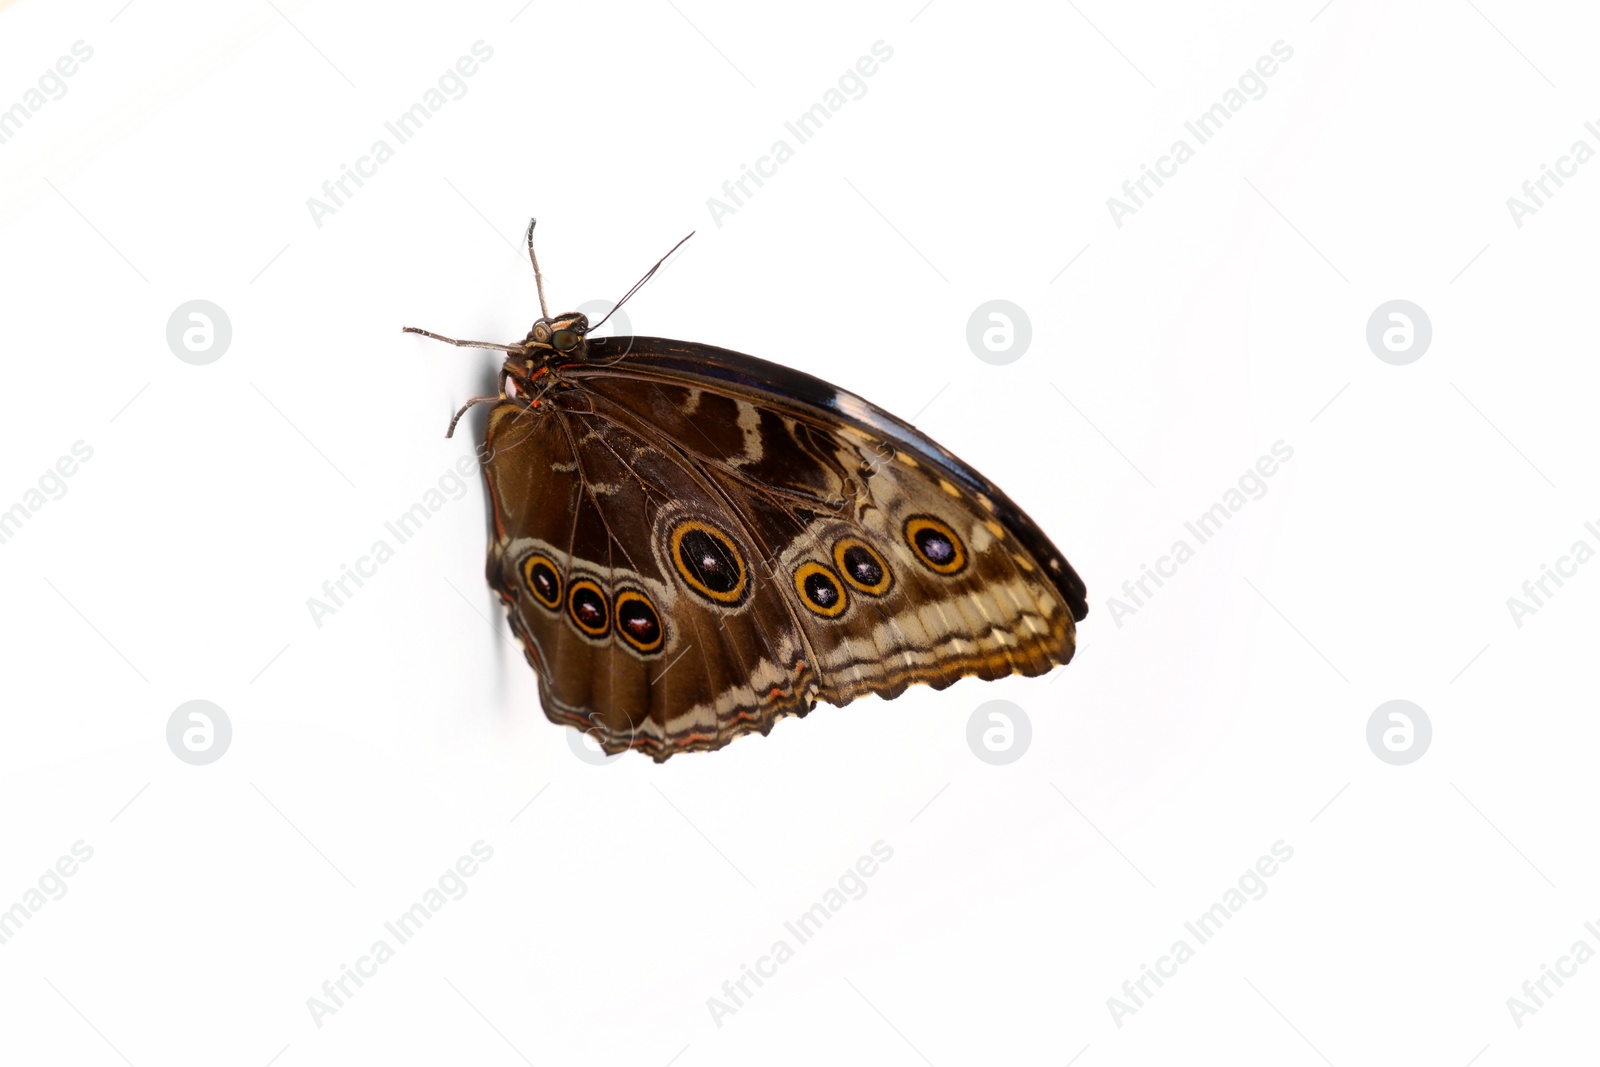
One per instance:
(693, 544)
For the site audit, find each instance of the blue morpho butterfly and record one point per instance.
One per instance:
(693, 544)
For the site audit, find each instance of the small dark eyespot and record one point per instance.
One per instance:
(637, 621)
(936, 545)
(543, 580)
(862, 566)
(587, 608)
(819, 590)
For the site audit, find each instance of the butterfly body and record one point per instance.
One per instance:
(692, 544)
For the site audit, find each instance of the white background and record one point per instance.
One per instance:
(1226, 714)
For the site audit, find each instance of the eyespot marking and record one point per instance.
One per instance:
(935, 545)
(587, 608)
(543, 579)
(638, 622)
(709, 562)
(819, 590)
(862, 567)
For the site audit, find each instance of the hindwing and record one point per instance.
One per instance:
(693, 544)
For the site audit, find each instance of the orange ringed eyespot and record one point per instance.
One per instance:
(862, 567)
(543, 580)
(935, 545)
(638, 622)
(709, 562)
(819, 590)
(587, 608)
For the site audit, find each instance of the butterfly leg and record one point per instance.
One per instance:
(451, 432)
(516, 349)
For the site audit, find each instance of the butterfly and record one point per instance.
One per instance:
(692, 544)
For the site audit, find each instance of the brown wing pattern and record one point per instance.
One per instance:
(785, 557)
(590, 498)
(803, 488)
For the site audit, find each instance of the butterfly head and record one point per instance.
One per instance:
(563, 337)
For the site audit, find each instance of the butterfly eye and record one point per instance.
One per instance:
(564, 340)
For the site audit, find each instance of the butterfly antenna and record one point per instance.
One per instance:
(538, 279)
(636, 285)
(469, 405)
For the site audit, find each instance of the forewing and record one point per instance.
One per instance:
(830, 489)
